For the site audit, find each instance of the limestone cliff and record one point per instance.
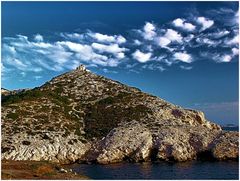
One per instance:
(80, 116)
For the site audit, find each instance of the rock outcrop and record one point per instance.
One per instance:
(80, 116)
(226, 146)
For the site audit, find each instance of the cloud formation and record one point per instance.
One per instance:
(119, 39)
(141, 57)
(148, 31)
(206, 23)
(183, 24)
(183, 56)
(154, 46)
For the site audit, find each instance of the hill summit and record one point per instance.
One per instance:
(84, 117)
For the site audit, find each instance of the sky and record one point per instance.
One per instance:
(184, 52)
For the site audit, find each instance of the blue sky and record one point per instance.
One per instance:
(184, 52)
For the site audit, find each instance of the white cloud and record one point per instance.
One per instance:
(235, 51)
(86, 53)
(219, 34)
(41, 44)
(163, 41)
(9, 49)
(183, 24)
(206, 23)
(60, 57)
(38, 38)
(16, 63)
(183, 56)
(173, 35)
(112, 48)
(206, 41)
(233, 41)
(119, 39)
(22, 37)
(226, 58)
(120, 55)
(103, 38)
(149, 31)
(137, 42)
(76, 47)
(188, 38)
(37, 69)
(141, 57)
(169, 36)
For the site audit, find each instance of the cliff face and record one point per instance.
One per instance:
(80, 116)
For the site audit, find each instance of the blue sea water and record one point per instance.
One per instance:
(163, 170)
(233, 128)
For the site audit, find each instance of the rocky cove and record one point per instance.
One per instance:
(85, 118)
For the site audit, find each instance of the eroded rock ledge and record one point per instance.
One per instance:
(136, 143)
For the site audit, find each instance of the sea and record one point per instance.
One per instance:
(190, 170)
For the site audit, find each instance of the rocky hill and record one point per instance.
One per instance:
(80, 116)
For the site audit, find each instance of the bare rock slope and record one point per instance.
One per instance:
(80, 116)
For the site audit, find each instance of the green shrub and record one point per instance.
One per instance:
(12, 116)
(26, 142)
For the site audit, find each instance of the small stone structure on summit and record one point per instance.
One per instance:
(81, 68)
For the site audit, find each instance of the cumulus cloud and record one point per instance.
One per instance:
(183, 56)
(163, 41)
(86, 53)
(38, 38)
(223, 58)
(149, 31)
(233, 41)
(169, 37)
(112, 48)
(141, 57)
(226, 58)
(173, 35)
(205, 23)
(119, 39)
(183, 24)
(235, 51)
